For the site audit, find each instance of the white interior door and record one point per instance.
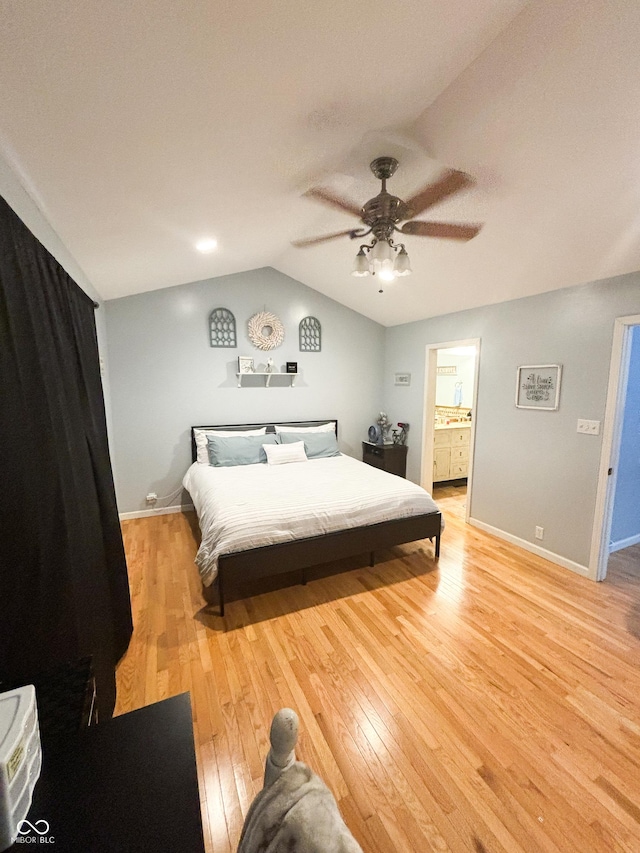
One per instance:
(610, 454)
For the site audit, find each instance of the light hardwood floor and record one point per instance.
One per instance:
(489, 703)
(625, 562)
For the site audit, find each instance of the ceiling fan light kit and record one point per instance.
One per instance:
(381, 215)
(360, 264)
(402, 265)
(385, 259)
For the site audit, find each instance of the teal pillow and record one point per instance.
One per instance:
(237, 450)
(316, 444)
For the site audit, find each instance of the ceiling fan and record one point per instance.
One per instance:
(381, 215)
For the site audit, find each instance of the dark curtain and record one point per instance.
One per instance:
(64, 591)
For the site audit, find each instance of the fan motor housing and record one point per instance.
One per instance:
(384, 208)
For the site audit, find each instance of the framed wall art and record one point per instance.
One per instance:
(538, 386)
(222, 328)
(310, 334)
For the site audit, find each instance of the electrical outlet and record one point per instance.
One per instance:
(152, 497)
(539, 532)
(588, 427)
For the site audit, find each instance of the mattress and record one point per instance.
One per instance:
(249, 506)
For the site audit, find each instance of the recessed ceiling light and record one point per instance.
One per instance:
(206, 245)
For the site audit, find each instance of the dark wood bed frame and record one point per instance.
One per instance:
(300, 554)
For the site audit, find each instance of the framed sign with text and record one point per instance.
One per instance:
(403, 379)
(538, 386)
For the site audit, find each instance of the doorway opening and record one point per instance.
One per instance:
(450, 400)
(616, 528)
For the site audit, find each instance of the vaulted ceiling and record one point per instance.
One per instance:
(139, 128)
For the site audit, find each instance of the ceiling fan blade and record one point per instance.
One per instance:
(312, 241)
(327, 197)
(445, 230)
(451, 182)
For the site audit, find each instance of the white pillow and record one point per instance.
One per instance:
(330, 427)
(281, 454)
(200, 435)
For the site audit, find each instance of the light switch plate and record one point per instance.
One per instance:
(588, 427)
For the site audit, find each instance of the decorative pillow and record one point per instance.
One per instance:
(330, 427)
(225, 452)
(316, 444)
(281, 454)
(200, 436)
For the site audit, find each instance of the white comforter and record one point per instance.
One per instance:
(248, 506)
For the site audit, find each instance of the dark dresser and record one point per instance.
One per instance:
(388, 457)
(127, 785)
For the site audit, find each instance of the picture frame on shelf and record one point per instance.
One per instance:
(538, 386)
(245, 364)
(292, 367)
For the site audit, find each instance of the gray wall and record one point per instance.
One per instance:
(14, 191)
(165, 376)
(530, 467)
(626, 507)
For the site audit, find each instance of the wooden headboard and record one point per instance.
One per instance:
(270, 425)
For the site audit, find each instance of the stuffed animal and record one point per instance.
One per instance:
(295, 812)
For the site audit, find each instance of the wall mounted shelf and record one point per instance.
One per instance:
(290, 376)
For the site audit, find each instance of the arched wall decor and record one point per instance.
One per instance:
(310, 334)
(222, 328)
(265, 330)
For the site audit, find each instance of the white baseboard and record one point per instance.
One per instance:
(163, 510)
(529, 546)
(624, 543)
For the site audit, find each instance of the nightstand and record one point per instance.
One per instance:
(388, 457)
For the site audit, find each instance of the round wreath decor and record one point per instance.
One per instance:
(265, 330)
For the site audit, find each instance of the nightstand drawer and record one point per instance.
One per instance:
(388, 457)
(373, 456)
(373, 450)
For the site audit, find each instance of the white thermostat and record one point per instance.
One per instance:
(20, 759)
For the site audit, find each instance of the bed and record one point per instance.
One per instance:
(259, 520)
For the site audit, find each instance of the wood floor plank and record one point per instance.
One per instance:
(489, 702)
